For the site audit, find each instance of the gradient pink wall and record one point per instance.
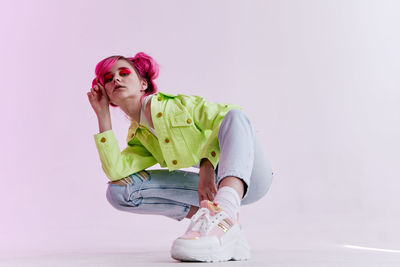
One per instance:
(319, 79)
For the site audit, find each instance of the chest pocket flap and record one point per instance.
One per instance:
(181, 119)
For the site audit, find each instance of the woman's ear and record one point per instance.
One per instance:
(144, 84)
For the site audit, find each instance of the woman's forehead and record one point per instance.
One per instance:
(121, 63)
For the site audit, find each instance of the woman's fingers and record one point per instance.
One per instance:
(99, 84)
(94, 94)
(214, 189)
(210, 196)
(90, 95)
(100, 87)
(201, 197)
(206, 195)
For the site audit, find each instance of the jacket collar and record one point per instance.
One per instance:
(134, 125)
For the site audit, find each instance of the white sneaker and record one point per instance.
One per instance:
(211, 236)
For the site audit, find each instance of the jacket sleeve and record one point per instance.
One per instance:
(118, 164)
(208, 116)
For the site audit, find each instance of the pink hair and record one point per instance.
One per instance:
(144, 65)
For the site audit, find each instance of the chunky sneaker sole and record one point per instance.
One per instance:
(233, 247)
(211, 237)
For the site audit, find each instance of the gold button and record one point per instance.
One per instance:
(159, 98)
(159, 114)
(132, 135)
(213, 154)
(166, 140)
(189, 121)
(103, 139)
(174, 162)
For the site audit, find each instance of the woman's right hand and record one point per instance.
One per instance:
(98, 98)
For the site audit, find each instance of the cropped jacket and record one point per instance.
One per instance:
(187, 130)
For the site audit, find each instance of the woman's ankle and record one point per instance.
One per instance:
(234, 182)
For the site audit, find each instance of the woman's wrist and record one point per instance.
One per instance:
(104, 120)
(103, 113)
(204, 162)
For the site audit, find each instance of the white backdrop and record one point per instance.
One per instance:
(319, 80)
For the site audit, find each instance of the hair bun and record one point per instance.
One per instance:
(147, 67)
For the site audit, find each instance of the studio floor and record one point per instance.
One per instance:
(324, 256)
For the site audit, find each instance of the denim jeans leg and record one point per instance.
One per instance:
(159, 192)
(171, 194)
(261, 175)
(242, 156)
(235, 137)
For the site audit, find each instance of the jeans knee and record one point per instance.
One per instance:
(118, 197)
(235, 119)
(235, 113)
(111, 195)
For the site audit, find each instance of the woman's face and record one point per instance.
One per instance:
(122, 82)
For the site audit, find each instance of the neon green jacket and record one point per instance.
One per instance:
(186, 127)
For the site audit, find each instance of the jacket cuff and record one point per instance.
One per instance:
(108, 150)
(105, 140)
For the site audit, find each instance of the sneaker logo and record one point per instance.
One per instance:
(228, 222)
(223, 227)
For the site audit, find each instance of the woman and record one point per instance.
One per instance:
(178, 132)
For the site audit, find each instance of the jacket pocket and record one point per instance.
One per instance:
(181, 119)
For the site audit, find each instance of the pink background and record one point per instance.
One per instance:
(319, 80)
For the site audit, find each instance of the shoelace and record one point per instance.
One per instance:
(201, 221)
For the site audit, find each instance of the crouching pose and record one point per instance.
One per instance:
(179, 131)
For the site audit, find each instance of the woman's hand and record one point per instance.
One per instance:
(98, 99)
(206, 187)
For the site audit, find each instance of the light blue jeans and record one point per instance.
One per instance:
(172, 193)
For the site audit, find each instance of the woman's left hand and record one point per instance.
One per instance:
(206, 187)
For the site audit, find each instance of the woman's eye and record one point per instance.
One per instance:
(107, 78)
(124, 72)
